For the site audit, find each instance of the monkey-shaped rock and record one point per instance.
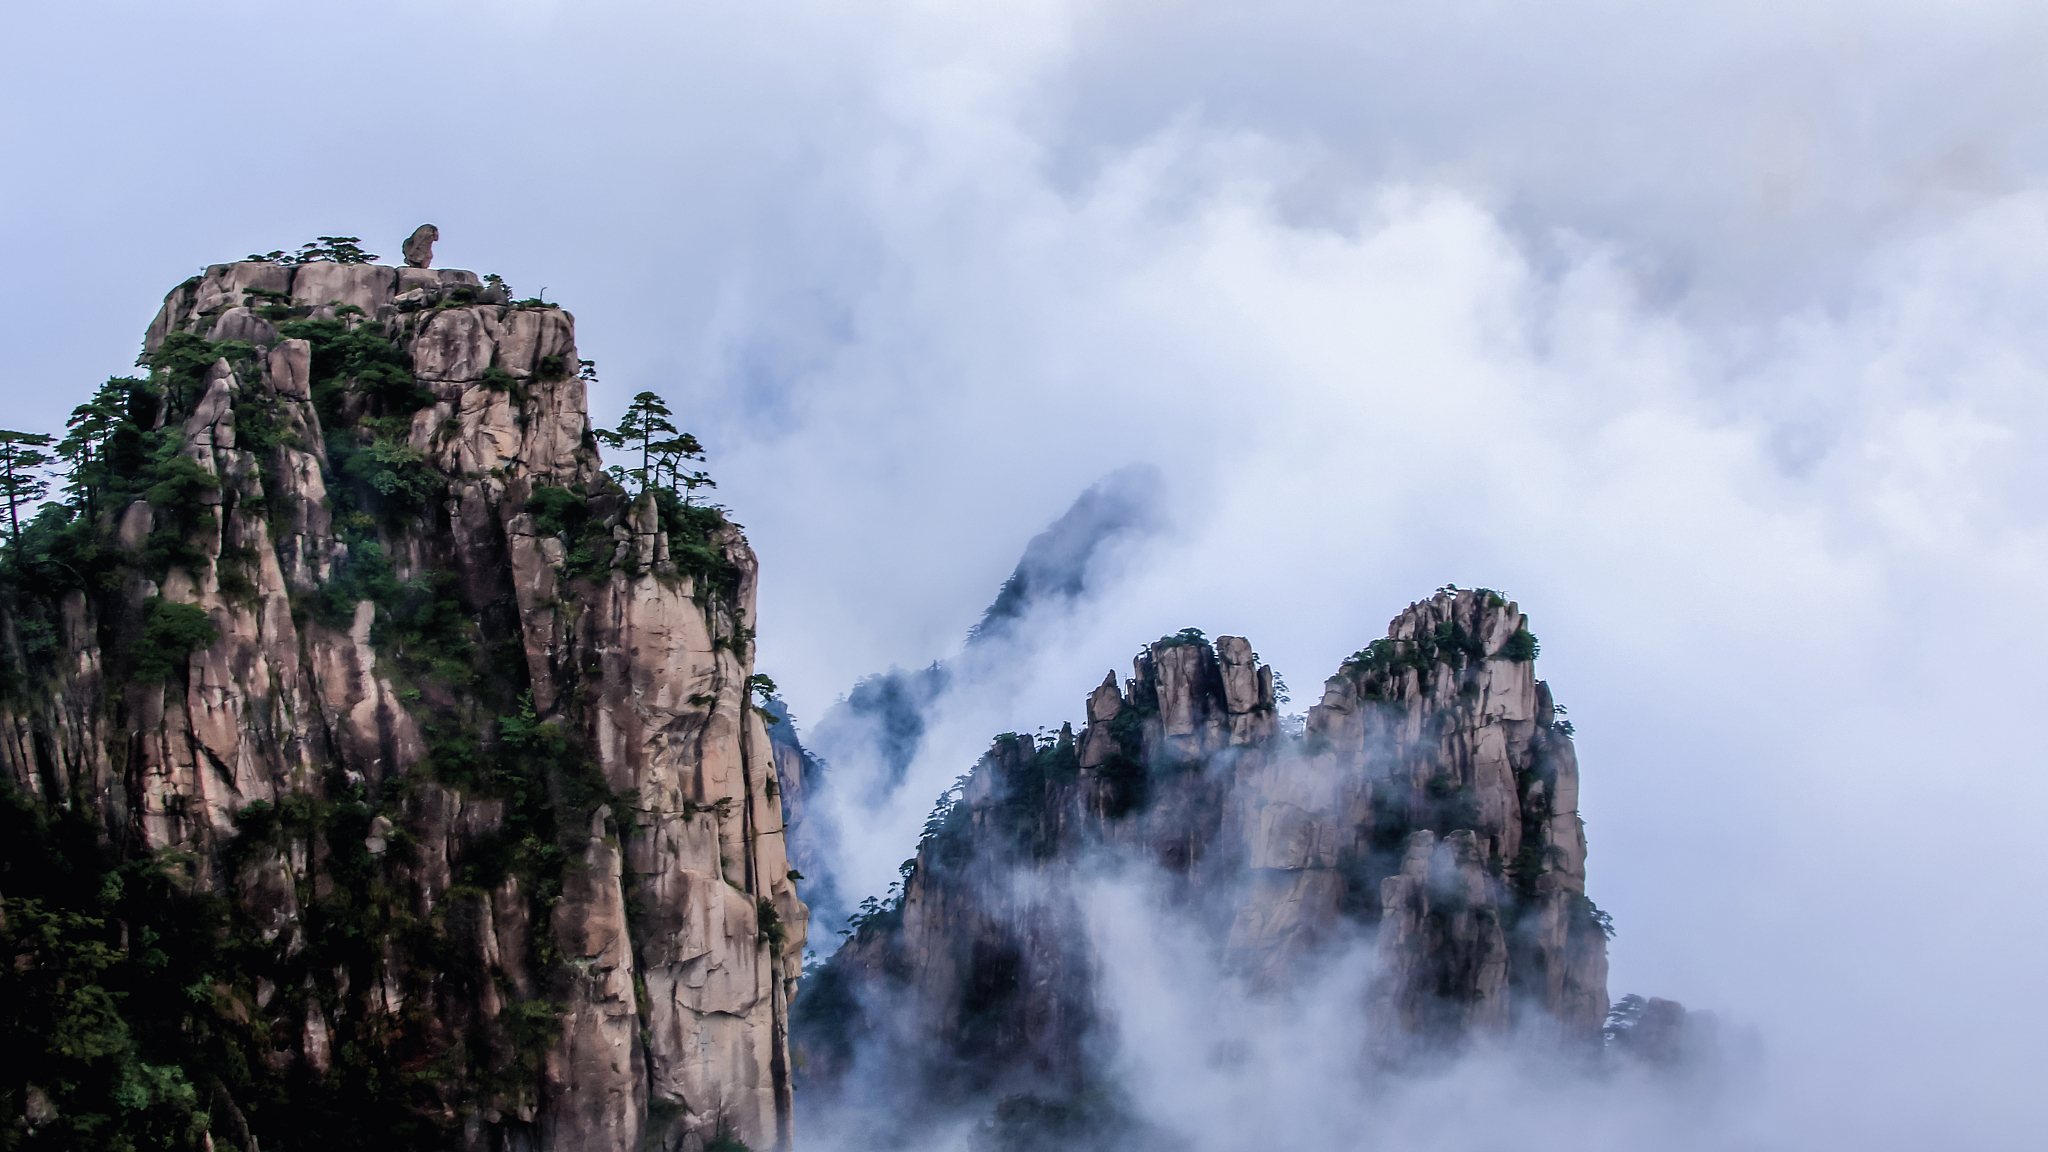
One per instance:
(419, 247)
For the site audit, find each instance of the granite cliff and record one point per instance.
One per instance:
(1426, 809)
(400, 767)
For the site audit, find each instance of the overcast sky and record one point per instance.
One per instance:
(1713, 333)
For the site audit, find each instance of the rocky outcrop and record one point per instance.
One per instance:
(1453, 744)
(1425, 807)
(419, 247)
(1663, 1034)
(473, 726)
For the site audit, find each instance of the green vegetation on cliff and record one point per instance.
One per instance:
(217, 991)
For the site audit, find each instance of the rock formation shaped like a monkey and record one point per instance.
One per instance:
(419, 247)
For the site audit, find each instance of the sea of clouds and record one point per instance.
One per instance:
(1712, 333)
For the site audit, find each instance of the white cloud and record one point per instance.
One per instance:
(1713, 333)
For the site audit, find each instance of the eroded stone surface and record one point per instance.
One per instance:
(1427, 811)
(419, 247)
(674, 1000)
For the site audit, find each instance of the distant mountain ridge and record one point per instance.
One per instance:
(867, 741)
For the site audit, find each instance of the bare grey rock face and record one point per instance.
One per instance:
(1439, 916)
(36, 1108)
(289, 369)
(419, 247)
(364, 286)
(633, 995)
(243, 324)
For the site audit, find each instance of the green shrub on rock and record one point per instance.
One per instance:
(1521, 647)
(170, 632)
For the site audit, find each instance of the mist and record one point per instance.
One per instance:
(1714, 335)
(1210, 1064)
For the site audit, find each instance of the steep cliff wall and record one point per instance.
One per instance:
(1428, 805)
(450, 734)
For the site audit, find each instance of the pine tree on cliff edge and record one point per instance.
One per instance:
(647, 418)
(20, 459)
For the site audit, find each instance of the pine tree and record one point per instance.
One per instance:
(671, 455)
(340, 249)
(21, 459)
(84, 447)
(646, 418)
